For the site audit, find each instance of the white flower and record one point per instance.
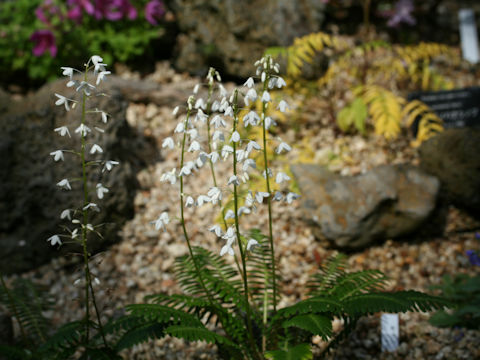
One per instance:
(189, 202)
(217, 230)
(278, 196)
(266, 97)
(96, 148)
(168, 142)
(202, 159)
(218, 135)
(235, 137)
(200, 104)
(193, 133)
(195, 146)
(281, 177)
(201, 116)
(169, 176)
(228, 248)
(269, 122)
(226, 150)
(86, 87)
(263, 76)
(99, 129)
(54, 240)
(180, 128)
(93, 206)
(283, 106)
(217, 121)
(252, 243)
(67, 71)
(97, 62)
(250, 95)
(101, 190)
(229, 215)
(196, 88)
(83, 130)
(109, 164)
(260, 195)
(62, 130)
(283, 147)
(66, 214)
(202, 199)
(162, 221)
(280, 82)
(101, 76)
(175, 110)
(214, 156)
(215, 194)
(249, 163)
(57, 155)
(269, 172)
(233, 180)
(251, 118)
(72, 83)
(244, 210)
(249, 83)
(290, 197)
(272, 82)
(228, 111)
(252, 145)
(64, 184)
(104, 117)
(62, 100)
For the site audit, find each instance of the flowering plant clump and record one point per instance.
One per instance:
(38, 36)
(231, 293)
(80, 217)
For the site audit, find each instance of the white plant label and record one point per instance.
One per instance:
(390, 332)
(468, 36)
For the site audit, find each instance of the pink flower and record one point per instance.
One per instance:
(76, 7)
(154, 9)
(402, 13)
(46, 10)
(44, 40)
(114, 9)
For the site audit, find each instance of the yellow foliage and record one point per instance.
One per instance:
(429, 123)
(384, 108)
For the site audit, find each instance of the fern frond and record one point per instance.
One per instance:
(162, 314)
(15, 353)
(401, 301)
(298, 352)
(138, 334)
(428, 123)
(66, 336)
(333, 268)
(191, 333)
(313, 323)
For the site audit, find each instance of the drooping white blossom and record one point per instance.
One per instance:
(101, 190)
(57, 155)
(64, 184)
(162, 221)
(54, 240)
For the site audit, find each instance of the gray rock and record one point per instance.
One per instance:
(353, 212)
(454, 157)
(230, 35)
(31, 203)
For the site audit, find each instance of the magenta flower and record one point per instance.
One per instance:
(154, 9)
(46, 11)
(76, 8)
(44, 40)
(114, 9)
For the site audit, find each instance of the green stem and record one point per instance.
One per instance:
(267, 181)
(85, 220)
(237, 230)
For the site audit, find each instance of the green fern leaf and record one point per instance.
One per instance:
(139, 334)
(298, 352)
(191, 333)
(316, 324)
(15, 353)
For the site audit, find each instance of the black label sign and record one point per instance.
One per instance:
(457, 108)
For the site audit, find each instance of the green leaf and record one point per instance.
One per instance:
(316, 324)
(354, 114)
(191, 333)
(299, 352)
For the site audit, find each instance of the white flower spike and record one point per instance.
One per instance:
(54, 240)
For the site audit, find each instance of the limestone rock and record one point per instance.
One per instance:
(353, 212)
(230, 35)
(31, 203)
(454, 157)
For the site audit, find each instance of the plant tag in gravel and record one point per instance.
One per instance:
(390, 332)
